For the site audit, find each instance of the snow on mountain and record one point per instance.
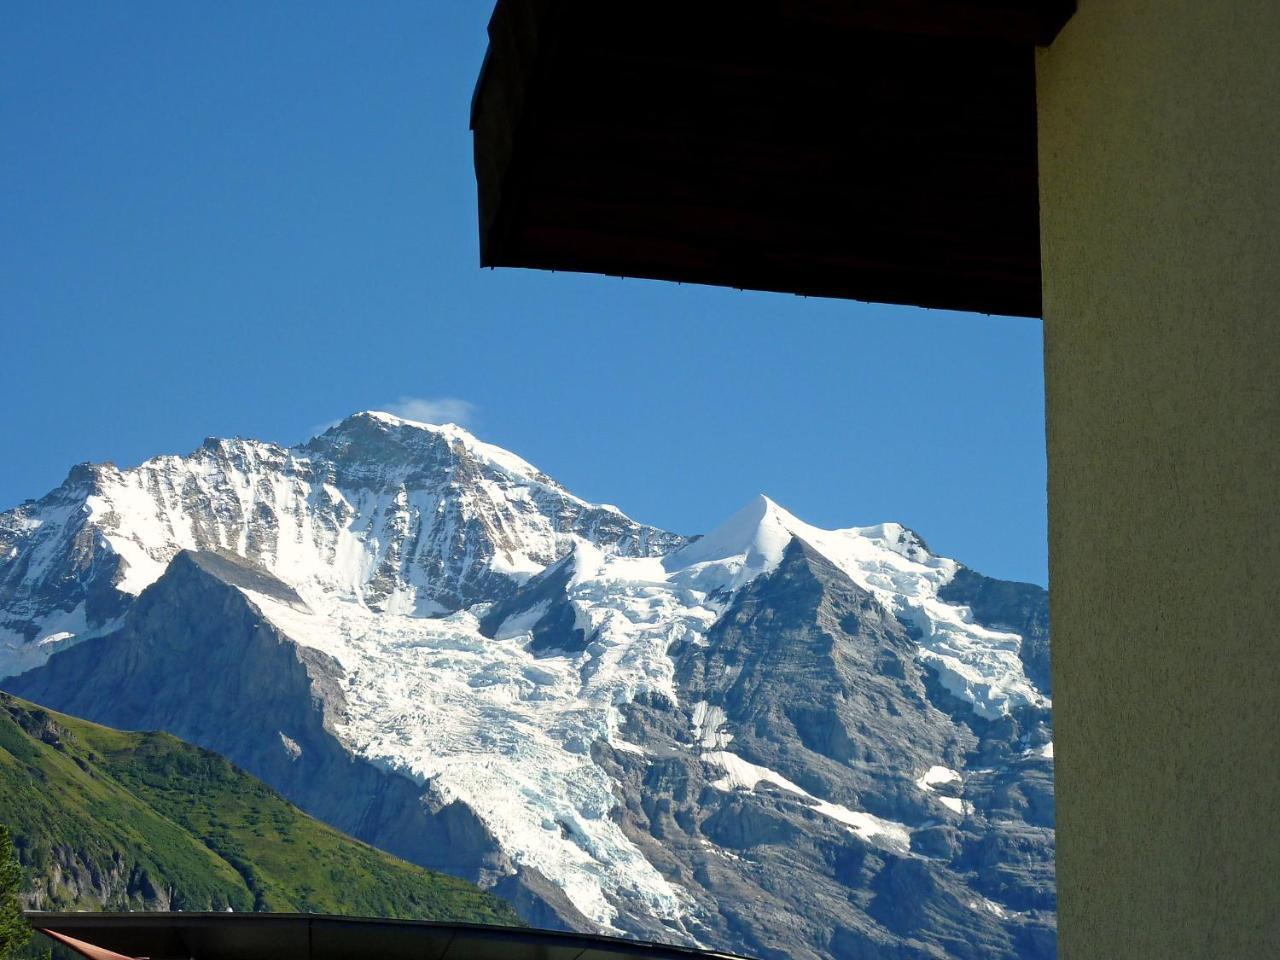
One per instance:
(975, 663)
(508, 729)
(403, 541)
(393, 515)
(743, 775)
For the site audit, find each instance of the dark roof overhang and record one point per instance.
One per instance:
(882, 150)
(276, 936)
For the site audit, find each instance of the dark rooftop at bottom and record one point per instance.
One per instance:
(268, 936)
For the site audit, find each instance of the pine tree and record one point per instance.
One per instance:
(14, 929)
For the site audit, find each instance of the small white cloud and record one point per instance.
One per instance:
(433, 410)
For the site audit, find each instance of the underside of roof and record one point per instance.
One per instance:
(881, 151)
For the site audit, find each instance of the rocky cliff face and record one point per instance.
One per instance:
(808, 688)
(772, 739)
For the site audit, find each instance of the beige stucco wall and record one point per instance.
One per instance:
(1160, 226)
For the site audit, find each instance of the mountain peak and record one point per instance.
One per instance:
(401, 515)
(406, 432)
(397, 421)
(380, 419)
(749, 543)
(753, 540)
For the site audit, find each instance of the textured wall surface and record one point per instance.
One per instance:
(1160, 206)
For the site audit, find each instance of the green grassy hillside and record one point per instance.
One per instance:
(103, 819)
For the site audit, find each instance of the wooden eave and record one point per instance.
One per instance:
(880, 151)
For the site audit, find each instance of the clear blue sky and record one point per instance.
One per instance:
(252, 218)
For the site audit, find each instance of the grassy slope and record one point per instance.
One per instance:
(158, 814)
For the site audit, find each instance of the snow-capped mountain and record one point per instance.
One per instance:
(392, 515)
(772, 738)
